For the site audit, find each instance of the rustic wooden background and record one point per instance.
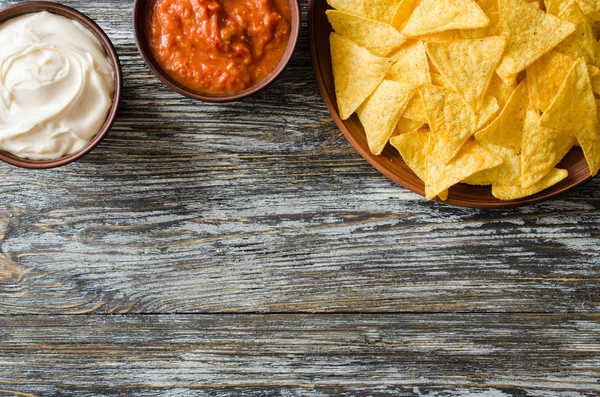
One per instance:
(246, 249)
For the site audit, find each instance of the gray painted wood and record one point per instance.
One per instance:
(302, 355)
(218, 212)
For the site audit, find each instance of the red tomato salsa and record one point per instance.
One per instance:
(219, 46)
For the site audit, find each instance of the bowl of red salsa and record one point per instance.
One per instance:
(216, 50)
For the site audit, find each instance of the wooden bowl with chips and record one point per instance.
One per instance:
(390, 163)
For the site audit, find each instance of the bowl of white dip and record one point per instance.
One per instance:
(60, 85)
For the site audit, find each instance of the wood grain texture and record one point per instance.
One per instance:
(302, 355)
(262, 206)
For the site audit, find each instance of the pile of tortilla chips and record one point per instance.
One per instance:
(484, 92)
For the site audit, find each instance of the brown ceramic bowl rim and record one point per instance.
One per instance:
(561, 188)
(68, 12)
(140, 32)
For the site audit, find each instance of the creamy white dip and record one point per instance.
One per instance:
(56, 86)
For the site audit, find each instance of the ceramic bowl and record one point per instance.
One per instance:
(390, 163)
(68, 12)
(142, 14)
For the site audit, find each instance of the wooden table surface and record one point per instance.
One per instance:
(246, 249)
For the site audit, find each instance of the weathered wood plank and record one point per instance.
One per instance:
(301, 355)
(261, 206)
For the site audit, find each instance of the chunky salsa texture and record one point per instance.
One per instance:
(219, 46)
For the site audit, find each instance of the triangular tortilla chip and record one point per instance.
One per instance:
(500, 90)
(591, 151)
(411, 65)
(403, 12)
(356, 72)
(487, 113)
(380, 113)
(509, 172)
(432, 16)
(375, 36)
(506, 130)
(541, 150)
(380, 10)
(545, 76)
(352, 6)
(471, 159)
(468, 65)
(573, 110)
(594, 78)
(414, 147)
(451, 120)
(407, 125)
(582, 42)
(514, 192)
(591, 10)
(530, 34)
(490, 8)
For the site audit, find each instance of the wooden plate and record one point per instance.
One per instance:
(390, 163)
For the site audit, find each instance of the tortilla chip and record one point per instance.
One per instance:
(471, 159)
(591, 151)
(573, 110)
(542, 149)
(380, 10)
(414, 147)
(377, 37)
(438, 80)
(500, 90)
(356, 72)
(530, 33)
(415, 110)
(545, 76)
(411, 66)
(490, 8)
(591, 10)
(582, 42)
(448, 35)
(594, 73)
(488, 112)
(405, 126)
(403, 12)
(468, 65)
(380, 113)
(514, 192)
(506, 129)
(451, 120)
(509, 172)
(352, 6)
(433, 16)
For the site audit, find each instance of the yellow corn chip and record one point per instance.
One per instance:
(380, 10)
(487, 113)
(545, 76)
(509, 172)
(403, 12)
(407, 125)
(451, 120)
(506, 129)
(530, 34)
(415, 111)
(356, 72)
(490, 8)
(500, 90)
(380, 113)
(542, 149)
(468, 65)
(514, 192)
(573, 111)
(591, 151)
(470, 159)
(352, 6)
(413, 148)
(582, 42)
(411, 66)
(591, 9)
(377, 37)
(594, 73)
(448, 35)
(438, 79)
(433, 16)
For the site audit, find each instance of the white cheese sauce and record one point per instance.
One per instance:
(56, 86)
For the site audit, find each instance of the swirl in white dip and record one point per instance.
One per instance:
(56, 86)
